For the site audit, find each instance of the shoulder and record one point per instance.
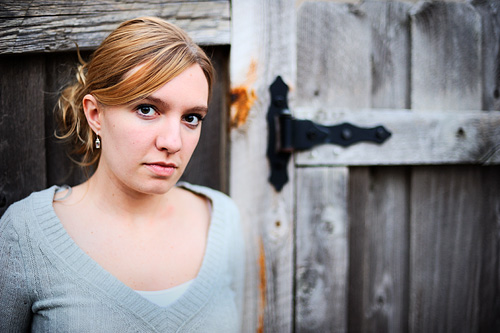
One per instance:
(225, 213)
(220, 201)
(29, 208)
(18, 223)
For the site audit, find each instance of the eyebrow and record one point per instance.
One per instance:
(166, 106)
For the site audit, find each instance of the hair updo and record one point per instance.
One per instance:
(162, 49)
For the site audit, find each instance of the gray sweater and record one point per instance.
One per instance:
(48, 284)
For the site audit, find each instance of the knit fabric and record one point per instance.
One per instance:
(48, 284)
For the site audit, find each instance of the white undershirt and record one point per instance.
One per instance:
(165, 297)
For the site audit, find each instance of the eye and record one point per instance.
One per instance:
(146, 111)
(193, 119)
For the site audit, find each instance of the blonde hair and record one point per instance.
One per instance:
(162, 49)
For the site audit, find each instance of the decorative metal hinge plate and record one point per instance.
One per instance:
(287, 134)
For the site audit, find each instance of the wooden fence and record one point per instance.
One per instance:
(401, 237)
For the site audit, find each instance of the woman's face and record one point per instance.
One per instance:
(147, 145)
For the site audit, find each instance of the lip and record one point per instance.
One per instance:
(161, 169)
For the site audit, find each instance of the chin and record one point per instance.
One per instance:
(158, 187)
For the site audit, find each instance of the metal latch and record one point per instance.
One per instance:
(287, 134)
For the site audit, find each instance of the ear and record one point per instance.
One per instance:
(92, 111)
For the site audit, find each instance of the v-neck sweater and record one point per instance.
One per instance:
(49, 284)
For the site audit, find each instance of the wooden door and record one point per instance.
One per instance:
(398, 237)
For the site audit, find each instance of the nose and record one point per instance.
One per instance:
(169, 137)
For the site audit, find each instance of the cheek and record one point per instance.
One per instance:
(192, 141)
(128, 133)
(128, 140)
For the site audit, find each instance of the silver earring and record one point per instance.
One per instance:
(97, 143)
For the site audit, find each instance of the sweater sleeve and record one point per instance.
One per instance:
(15, 304)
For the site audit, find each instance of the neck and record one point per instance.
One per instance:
(115, 199)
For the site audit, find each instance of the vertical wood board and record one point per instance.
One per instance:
(333, 68)
(390, 59)
(379, 248)
(490, 18)
(378, 198)
(448, 230)
(489, 280)
(333, 56)
(322, 250)
(446, 223)
(446, 57)
(22, 128)
(262, 47)
(60, 70)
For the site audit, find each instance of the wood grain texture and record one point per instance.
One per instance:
(379, 248)
(390, 48)
(22, 128)
(423, 137)
(450, 239)
(333, 60)
(489, 278)
(446, 43)
(378, 197)
(449, 223)
(35, 26)
(60, 70)
(333, 68)
(322, 250)
(490, 51)
(445, 81)
(262, 47)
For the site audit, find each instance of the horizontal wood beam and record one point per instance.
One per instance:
(43, 26)
(418, 137)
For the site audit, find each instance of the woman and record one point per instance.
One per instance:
(128, 250)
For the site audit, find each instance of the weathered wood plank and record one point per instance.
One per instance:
(446, 43)
(378, 268)
(262, 47)
(36, 26)
(450, 238)
(21, 8)
(22, 146)
(490, 18)
(60, 69)
(390, 46)
(448, 220)
(322, 250)
(489, 279)
(378, 201)
(423, 137)
(332, 58)
(333, 68)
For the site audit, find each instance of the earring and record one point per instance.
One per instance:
(97, 143)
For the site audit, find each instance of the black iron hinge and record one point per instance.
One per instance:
(287, 134)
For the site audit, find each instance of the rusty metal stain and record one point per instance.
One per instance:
(243, 97)
(262, 286)
(242, 100)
